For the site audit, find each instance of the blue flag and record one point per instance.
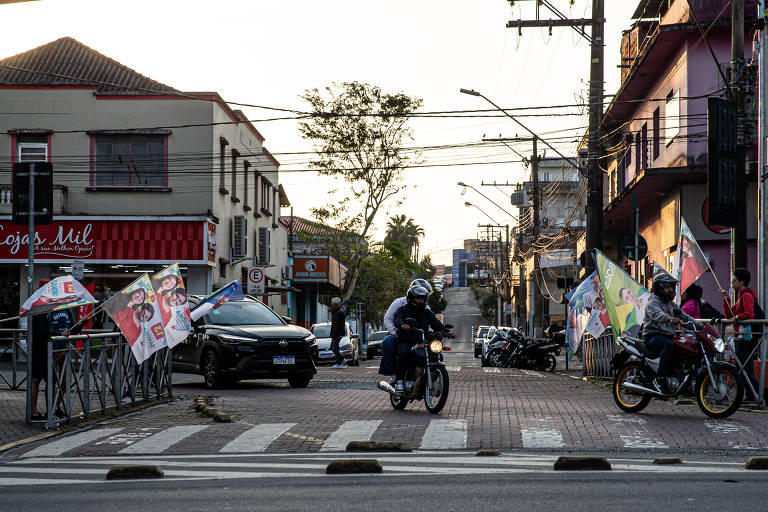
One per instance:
(232, 291)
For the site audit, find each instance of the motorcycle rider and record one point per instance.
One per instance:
(661, 317)
(416, 309)
(388, 363)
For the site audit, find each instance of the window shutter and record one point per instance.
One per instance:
(264, 251)
(239, 236)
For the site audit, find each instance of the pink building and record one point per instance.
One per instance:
(655, 132)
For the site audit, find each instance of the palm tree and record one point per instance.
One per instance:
(402, 230)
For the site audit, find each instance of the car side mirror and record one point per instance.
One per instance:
(287, 319)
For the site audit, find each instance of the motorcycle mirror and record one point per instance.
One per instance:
(448, 326)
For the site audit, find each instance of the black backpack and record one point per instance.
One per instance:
(759, 315)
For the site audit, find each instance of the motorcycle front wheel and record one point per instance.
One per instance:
(721, 398)
(436, 395)
(629, 401)
(549, 363)
(496, 358)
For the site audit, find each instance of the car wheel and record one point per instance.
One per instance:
(211, 370)
(299, 381)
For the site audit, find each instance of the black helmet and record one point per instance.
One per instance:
(417, 291)
(423, 283)
(659, 282)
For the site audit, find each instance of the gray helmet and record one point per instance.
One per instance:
(661, 280)
(423, 283)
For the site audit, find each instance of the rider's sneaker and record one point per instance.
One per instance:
(399, 386)
(660, 385)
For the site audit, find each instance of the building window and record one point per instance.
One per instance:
(235, 154)
(645, 145)
(256, 192)
(672, 116)
(246, 166)
(32, 148)
(266, 188)
(263, 251)
(223, 143)
(638, 152)
(130, 160)
(656, 134)
(222, 268)
(628, 155)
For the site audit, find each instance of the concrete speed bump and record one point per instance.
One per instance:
(582, 464)
(757, 463)
(667, 460)
(488, 453)
(134, 472)
(373, 446)
(347, 466)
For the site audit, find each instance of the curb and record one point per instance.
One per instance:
(134, 472)
(666, 460)
(584, 463)
(348, 466)
(373, 446)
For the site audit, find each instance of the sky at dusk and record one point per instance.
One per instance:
(268, 53)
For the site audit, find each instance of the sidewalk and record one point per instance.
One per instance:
(13, 426)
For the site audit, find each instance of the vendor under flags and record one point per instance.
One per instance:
(232, 291)
(61, 293)
(625, 299)
(172, 301)
(136, 312)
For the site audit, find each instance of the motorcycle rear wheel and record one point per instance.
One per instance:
(723, 403)
(549, 363)
(495, 358)
(437, 394)
(629, 402)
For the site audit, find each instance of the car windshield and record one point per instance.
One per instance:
(322, 331)
(377, 336)
(243, 312)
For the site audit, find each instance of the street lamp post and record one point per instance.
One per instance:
(462, 184)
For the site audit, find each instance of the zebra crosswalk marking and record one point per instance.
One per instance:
(257, 439)
(163, 440)
(67, 443)
(350, 431)
(491, 370)
(537, 433)
(445, 435)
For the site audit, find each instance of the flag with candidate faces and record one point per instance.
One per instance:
(232, 291)
(625, 299)
(690, 262)
(580, 301)
(136, 313)
(172, 301)
(60, 293)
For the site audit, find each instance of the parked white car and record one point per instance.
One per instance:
(349, 345)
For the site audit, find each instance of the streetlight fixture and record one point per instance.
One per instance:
(472, 92)
(468, 204)
(462, 184)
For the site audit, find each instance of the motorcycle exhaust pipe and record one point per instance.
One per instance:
(641, 389)
(386, 386)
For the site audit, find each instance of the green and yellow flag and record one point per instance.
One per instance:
(625, 299)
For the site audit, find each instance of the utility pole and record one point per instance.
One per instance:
(739, 232)
(594, 209)
(536, 262)
(762, 184)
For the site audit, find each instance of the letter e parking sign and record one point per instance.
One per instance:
(256, 281)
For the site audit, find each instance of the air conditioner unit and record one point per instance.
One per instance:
(239, 236)
(287, 273)
(520, 199)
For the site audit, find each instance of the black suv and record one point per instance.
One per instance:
(244, 339)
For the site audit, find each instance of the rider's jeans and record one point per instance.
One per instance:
(388, 364)
(403, 349)
(665, 345)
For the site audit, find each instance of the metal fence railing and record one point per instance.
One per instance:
(597, 354)
(13, 349)
(89, 373)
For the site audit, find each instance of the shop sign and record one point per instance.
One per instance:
(318, 269)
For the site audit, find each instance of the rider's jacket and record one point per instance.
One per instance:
(657, 315)
(425, 319)
(389, 316)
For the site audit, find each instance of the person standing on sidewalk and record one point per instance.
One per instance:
(744, 309)
(338, 328)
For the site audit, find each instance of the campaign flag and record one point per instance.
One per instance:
(174, 308)
(625, 299)
(580, 303)
(61, 293)
(136, 313)
(232, 291)
(658, 269)
(85, 309)
(690, 260)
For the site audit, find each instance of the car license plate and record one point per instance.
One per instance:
(284, 360)
(326, 355)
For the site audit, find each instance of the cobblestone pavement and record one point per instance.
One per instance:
(488, 408)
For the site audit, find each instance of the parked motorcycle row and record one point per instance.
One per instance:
(508, 347)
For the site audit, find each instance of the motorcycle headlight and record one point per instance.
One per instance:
(719, 345)
(436, 346)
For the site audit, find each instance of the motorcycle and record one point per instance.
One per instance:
(426, 377)
(717, 386)
(518, 352)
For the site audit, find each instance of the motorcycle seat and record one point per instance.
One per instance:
(647, 352)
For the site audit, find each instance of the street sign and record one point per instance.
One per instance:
(256, 281)
(725, 163)
(78, 269)
(43, 193)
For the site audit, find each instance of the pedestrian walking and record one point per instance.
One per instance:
(338, 329)
(745, 308)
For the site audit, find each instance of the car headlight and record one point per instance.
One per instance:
(436, 346)
(310, 339)
(227, 338)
